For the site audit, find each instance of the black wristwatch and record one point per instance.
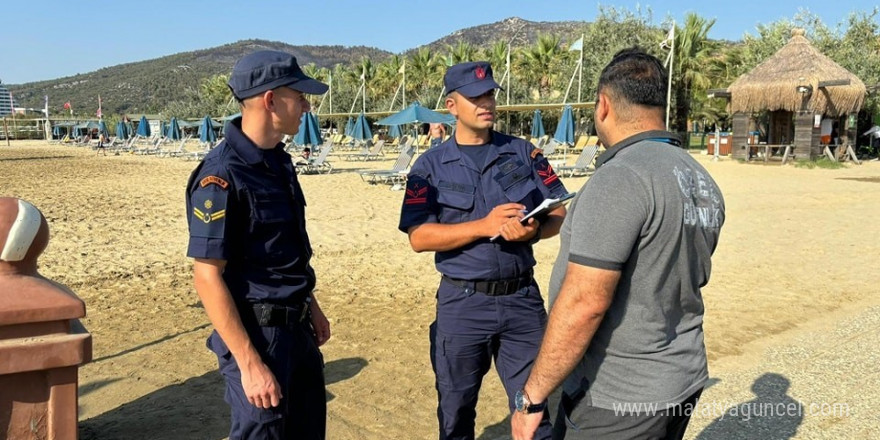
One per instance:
(525, 406)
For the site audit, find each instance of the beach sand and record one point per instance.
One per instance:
(793, 294)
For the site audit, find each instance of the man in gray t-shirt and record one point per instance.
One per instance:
(625, 333)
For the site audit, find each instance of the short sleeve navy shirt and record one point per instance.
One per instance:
(245, 206)
(445, 186)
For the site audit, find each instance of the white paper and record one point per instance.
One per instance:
(546, 206)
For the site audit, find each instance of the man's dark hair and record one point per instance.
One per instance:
(635, 77)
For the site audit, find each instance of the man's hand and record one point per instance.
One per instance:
(499, 216)
(513, 230)
(260, 386)
(523, 426)
(320, 324)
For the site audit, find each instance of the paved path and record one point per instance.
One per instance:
(817, 381)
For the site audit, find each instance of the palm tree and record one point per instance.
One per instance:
(496, 54)
(424, 73)
(319, 73)
(388, 76)
(693, 50)
(535, 63)
(461, 53)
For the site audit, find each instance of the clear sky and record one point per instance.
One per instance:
(50, 39)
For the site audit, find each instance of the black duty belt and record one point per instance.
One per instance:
(274, 315)
(494, 287)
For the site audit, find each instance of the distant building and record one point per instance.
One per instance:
(6, 103)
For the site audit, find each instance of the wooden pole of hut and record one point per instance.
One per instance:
(6, 131)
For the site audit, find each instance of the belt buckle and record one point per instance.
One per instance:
(265, 315)
(305, 309)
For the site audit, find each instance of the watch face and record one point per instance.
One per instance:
(518, 401)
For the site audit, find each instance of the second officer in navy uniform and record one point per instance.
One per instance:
(246, 214)
(459, 195)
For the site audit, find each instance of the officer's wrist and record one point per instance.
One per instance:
(537, 235)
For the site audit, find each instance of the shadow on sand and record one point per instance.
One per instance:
(772, 415)
(193, 409)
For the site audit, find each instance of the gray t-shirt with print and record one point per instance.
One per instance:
(655, 214)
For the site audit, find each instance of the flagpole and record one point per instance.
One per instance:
(48, 126)
(581, 71)
(403, 103)
(671, 69)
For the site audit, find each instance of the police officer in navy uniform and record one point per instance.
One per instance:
(459, 196)
(246, 215)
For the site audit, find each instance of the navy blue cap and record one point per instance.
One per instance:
(470, 79)
(265, 70)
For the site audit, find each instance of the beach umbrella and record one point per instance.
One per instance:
(121, 130)
(206, 131)
(565, 129)
(537, 125)
(394, 131)
(143, 127)
(349, 126)
(102, 128)
(415, 113)
(309, 131)
(173, 130)
(361, 129)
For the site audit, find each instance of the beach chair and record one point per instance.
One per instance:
(152, 148)
(580, 143)
(583, 164)
(373, 153)
(316, 164)
(199, 155)
(550, 148)
(398, 171)
(179, 151)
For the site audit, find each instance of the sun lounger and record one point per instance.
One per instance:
(583, 164)
(398, 171)
(316, 164)
(373, 153)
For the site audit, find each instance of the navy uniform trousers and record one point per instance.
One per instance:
(293, 356)
(471, 329)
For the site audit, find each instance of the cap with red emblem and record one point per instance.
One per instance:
(470, 79)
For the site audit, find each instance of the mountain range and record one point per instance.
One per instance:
(147, 86)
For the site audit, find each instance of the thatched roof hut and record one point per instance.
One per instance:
(773, 84)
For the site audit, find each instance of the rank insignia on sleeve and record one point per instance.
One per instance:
(545, 171)
(214, 180)
(416, 194)
(208, 208)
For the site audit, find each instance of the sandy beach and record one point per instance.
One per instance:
(792, 305)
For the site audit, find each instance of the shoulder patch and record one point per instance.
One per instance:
(214, 180)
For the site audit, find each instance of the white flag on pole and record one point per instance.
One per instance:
(669, 40)
(577, 45)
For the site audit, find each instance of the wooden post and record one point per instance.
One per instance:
(803, 136)
(739, 148)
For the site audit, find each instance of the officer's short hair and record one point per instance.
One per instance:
(635, 77)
